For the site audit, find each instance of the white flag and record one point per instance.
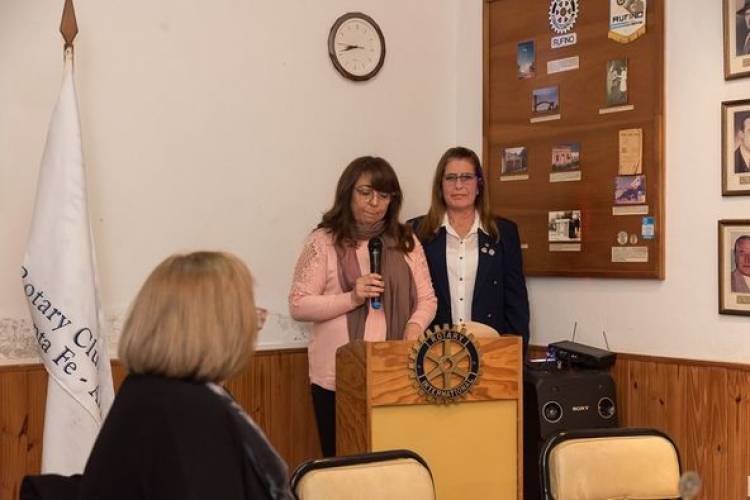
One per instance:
(59, 280)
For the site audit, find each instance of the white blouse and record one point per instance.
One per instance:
(462, 260)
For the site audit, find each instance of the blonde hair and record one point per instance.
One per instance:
(193, 318)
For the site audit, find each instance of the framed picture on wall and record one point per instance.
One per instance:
(736, 38)
(735, 147)
(734, 267)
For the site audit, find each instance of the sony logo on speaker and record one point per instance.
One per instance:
(581, 408)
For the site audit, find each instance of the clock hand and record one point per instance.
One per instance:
(349, 47)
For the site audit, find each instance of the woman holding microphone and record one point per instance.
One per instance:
(333, 288)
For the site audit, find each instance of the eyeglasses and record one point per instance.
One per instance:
(369, 193)
(454, 178)
(261, 315)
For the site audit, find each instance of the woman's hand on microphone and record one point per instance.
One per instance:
(367, 286)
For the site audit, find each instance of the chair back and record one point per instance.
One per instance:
(395, 475)
(601, 464)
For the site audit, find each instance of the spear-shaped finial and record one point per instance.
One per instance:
(68, 25)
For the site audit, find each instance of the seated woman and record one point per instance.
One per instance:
(475, 260)
(332, 282)
(173, 432)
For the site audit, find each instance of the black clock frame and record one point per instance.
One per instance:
(332, 46)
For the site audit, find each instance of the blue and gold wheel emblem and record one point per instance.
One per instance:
(445, 364)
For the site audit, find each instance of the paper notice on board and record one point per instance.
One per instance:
(564, 247)
(630, 210)
(630, 254)
(560, 65)
(631, 152)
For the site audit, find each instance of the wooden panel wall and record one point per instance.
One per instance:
(274, 390)
(704, 406)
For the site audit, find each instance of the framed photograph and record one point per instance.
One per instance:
(526, 59)
(545, 100)
(566, 163)
(564, 226)
(734, 267)
(736, 38)
(515, 164)
(630, 190)
(566, 157)
(735, 147)
(617, 82)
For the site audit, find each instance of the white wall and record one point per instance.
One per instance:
(226, 127)
(218, 125)
(676, 317)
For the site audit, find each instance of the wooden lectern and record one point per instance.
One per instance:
(473, 446)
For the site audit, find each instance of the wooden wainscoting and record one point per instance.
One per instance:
(703, 406)
(274, 390)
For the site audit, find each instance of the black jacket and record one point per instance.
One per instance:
(500, 299)
(175, 439)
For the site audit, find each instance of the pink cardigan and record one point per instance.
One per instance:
(317, 296)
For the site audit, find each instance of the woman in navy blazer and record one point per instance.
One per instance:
(475, 260)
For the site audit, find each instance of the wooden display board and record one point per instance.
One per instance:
(586, 120)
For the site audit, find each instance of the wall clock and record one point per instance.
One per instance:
(356, 46)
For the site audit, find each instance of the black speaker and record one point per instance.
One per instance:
(560, 400)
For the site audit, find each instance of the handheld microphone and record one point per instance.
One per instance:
(375, 247)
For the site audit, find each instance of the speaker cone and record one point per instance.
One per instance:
(606, 408)
(552, 412)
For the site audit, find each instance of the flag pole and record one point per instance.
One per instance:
(70, 342)
(68, 24)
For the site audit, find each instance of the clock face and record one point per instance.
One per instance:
(356, 46)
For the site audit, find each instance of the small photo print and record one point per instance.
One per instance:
(526, 59)
(741, 144)
(740, 262)
(545, 100)
(742, 28)
(630, 190)
(736, 38)
(566, 157)
(564, 226)
(734, 267)
(617, 82)
(515, 163)
(735, 147)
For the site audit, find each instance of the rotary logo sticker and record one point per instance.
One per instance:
(445, 364)
(563, 15)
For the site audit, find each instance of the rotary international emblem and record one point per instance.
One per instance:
(445, 364)
(563, 15)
